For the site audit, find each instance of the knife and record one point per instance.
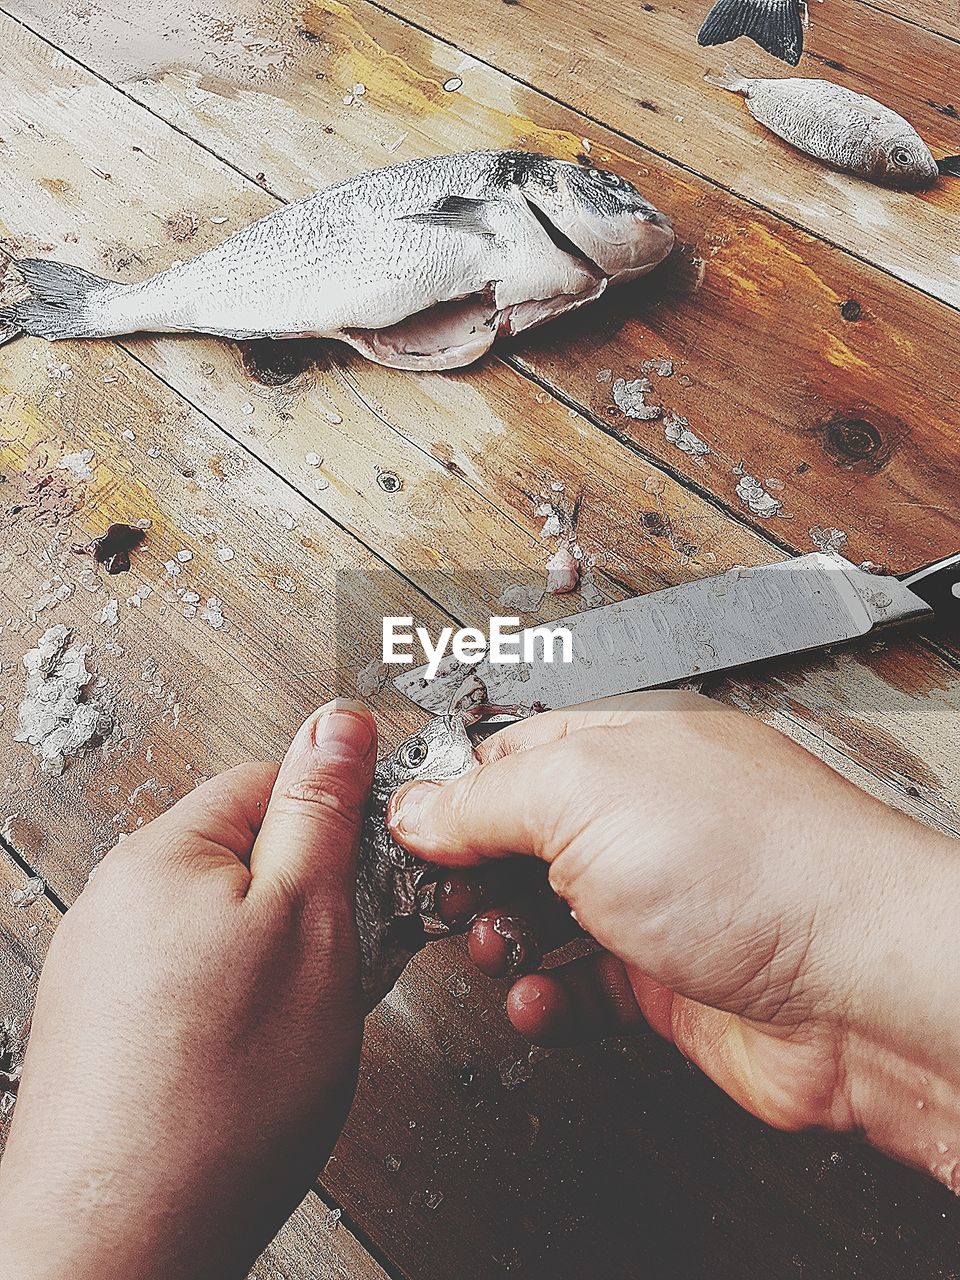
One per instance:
(714, 624)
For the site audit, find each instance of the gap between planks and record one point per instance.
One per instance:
(761, 534)
(669, 158)
(599, 122)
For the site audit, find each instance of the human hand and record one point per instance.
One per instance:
(791, 935)
(197, 1029)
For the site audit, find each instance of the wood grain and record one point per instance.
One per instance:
(640, 71)
(469, 450)
(300, 599)
(942, 16)
(849, 419)
(636, 70)
(463, 1156)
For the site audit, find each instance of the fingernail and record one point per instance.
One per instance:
(343, 730)
(408, 805)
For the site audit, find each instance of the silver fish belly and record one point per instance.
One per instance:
(418, 265)
(844, 129)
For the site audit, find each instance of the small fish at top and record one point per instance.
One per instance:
(418, 265)
(775, 25)
(845, 129)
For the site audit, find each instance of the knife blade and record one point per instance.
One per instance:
(714, 624)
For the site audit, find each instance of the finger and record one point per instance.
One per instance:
(512, 802)
(311, 831)
(554, 726)
(501, 808)
(503, 945)
(510, 938)
(458, 896)
(223, 814)
(587, 999)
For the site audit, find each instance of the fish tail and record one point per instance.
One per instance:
(730, 78)
(59, 302)
(775, 25)
(949, 165)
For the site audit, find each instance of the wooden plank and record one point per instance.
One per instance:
(639, 71)
(462, 446)
(531, 1174)
(942, 16)
(301, 601)
(849, 419)
(506, 440)
(316, 1242)
(607, 1160)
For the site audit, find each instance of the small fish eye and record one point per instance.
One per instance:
(413, 754)
(902, 157)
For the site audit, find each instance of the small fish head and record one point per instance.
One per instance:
(907, 161)
(440, 750)
(603, 215)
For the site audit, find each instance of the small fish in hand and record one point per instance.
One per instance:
(775, 25)
(419, 265)
(391, 920)
(845, 129)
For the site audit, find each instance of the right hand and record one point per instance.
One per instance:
(790, 934)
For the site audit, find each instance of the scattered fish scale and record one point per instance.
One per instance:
(57, 717)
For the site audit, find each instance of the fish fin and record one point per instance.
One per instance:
(57, 307)
(775, 25)
(950, 165)
(461, 213)
(9, 329)
(730, 78)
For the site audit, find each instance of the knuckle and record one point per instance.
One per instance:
(458, 801)
(323, 799)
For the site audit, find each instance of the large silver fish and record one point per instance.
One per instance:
(775, 25)
(418, 265)
(847, 130)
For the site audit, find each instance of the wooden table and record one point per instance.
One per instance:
(807, 329)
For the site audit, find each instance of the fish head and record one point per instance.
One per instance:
(439, 751)
(905, 160)
(603, 216)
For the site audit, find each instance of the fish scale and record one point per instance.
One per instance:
(377, 260)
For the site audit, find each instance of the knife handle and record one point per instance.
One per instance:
(939, 585)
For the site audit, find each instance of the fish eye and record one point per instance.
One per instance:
(901, 157)
(413, 754)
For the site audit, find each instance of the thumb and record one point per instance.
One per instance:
(511, 805)
(311, 831)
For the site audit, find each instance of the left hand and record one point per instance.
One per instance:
(197, 1030)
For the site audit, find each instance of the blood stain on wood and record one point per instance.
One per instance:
(112, 549)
